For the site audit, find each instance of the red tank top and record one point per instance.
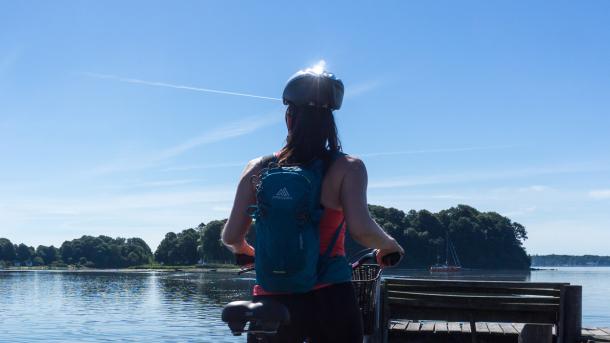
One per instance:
(331, 219)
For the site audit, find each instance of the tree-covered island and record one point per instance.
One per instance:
(485, 240)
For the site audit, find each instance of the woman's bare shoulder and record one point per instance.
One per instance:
(350, 163)
(253, 167)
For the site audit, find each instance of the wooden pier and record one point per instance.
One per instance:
(418, 310)
(457, 332)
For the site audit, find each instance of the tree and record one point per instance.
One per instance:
(179, 249)
(105, 252)
(137, 251)
(187, 246)
(47, 254)
(167, 250)
(213, 249)
(481, 239)
(7, 250)
(38, 261)
(23, 253)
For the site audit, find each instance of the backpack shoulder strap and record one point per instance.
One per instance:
(267, 160)
(333, 157)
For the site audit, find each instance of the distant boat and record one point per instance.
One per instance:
(452, 261)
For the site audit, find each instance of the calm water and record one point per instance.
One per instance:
(178, 307)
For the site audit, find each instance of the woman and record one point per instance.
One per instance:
(329, 312)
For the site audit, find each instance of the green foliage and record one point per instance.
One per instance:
(9, 253)
(24, 253)
(179, 249)
(37, 261)
(105, 252)
(212, 249)
(484, 240)
(7, 250)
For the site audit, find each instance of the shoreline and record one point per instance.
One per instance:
(124, 270)
(210, 269)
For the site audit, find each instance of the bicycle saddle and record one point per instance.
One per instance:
(266, 315)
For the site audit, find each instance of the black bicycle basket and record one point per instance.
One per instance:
(366, 279)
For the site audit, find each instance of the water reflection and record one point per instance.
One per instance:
(120, 307)
(209, 288)
(46, 306)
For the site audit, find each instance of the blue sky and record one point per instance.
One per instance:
(105, 128)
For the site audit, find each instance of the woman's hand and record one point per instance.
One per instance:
(392, 247)
(244, 248)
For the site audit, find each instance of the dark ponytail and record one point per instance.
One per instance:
(312, 135)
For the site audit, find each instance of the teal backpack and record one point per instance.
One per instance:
(286, 219)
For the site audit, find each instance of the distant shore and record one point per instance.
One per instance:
(139, 269)
(555, 260)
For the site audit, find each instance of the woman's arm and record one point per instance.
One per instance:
(238, 224)
(361, 226)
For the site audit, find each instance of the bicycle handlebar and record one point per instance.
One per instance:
(388, 260)
(392, 259)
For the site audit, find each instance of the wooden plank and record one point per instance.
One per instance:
(473, 298)
(481, 289)
(495, 328)
(459, 314)
(599, 339)
(440, 327)
(448, 303)
(595, 332)
(508, 329)
(473, 284)
(413, 326)
(427, 327)
(482, 327)
(518, 326)
(465, 327)
(585, 331)
(399, 326)
(454, 327)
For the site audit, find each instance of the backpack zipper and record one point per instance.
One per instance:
(301, 241)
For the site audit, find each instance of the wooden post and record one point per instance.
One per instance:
(385, 314)
(536, 333)
(473, 329)
(572, 314)
(562, 314)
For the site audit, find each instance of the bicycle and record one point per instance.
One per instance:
(264, 317)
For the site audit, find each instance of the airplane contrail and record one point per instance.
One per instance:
(169, 85)
(427, 151)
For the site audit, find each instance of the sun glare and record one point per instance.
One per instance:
(319, 67)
